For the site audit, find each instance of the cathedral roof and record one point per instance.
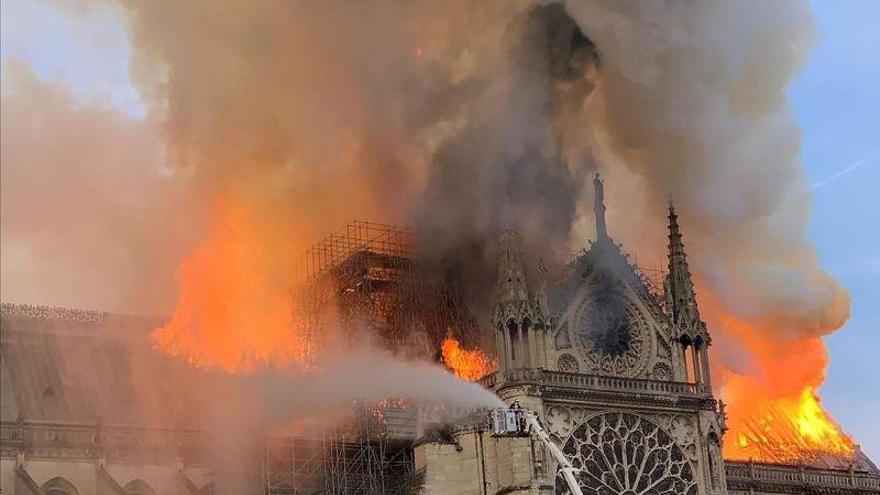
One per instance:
(59, 364)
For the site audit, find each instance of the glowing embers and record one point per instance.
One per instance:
(465, 364)
(234, 309)
(793, 430)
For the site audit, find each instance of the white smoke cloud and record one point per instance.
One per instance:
(692, 101)
(370, 375)
(88, 218)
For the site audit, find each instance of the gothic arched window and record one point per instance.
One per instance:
(58, 486)
(138, 487)
(621, 453)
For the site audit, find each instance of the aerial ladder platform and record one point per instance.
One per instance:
(515, 421)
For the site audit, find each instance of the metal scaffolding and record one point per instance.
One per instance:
(364, 278)
(366, 454)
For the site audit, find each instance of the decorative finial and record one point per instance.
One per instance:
(673, 220)
(599, 208)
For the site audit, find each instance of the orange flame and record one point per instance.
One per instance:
(814, 424)
(791, 430)
(775, 414)
(234, 312)
(465, 364)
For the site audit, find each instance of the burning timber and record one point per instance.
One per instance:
(775, 438)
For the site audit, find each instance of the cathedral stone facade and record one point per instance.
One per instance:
(620, 378)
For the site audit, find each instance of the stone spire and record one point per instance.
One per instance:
(511, 288)
(682, 306)
(679, 286)
(599, 208)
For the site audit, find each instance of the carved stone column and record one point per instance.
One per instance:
(533, 354)
(499, 348)
(508, 343)
(704, 359)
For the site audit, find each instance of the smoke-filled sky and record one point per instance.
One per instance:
(414, 110)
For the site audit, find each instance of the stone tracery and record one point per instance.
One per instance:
(611, 334)
(621, 453)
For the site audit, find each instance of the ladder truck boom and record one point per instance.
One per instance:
(518, 422)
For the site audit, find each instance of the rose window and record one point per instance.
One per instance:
(623, 454)
(568, 363)
(610, 334)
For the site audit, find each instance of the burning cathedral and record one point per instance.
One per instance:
(619, 377)
(614, 374)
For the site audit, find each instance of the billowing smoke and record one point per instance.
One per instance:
(370, 375)
(286, 119)
(504, 165)
(88, 218)
(692, 104)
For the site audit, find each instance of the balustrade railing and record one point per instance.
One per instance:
(597, 382)
(96, 440)
(781, 474)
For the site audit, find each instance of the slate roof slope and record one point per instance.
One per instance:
(64, 365)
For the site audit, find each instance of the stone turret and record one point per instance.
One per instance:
(681, 302)
(511, 290)
(520, 333)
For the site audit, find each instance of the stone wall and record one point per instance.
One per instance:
(478, 464)
(27, 477)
